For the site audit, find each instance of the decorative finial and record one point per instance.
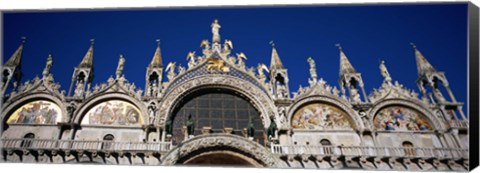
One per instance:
(92, 41)
(413, 45)
(272, 43)
(158, 42)
(338, 46)
(23, 39)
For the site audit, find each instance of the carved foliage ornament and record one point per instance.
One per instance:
(219, 140)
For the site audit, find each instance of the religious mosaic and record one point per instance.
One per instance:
(401, 118)
(320, 116)
(113, 112)
(36, 112)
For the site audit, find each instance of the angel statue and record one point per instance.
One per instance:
(240, 57)
(171, 70)
(260, 69)
(191, 58)
(228, 45)
(205, 44)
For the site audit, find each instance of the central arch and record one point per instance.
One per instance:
(223, 158)
(259, 99)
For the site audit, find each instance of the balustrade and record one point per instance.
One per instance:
(366, 151)
(51, 144)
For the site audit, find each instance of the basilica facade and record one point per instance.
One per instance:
(218, 111)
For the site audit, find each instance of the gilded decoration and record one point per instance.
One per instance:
(37, 112)
(113, 112)
(401, 118)
(320, 116)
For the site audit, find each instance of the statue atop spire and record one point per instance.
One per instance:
(383, 70)
(121, 64)
(313, 70)
(48, 65)
(216, 31)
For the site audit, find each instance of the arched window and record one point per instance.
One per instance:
(327, 146)
(27, 140)
(408, 148)
(108, 142)
(217, 109)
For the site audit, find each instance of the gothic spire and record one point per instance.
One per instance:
(345, 65)
(87, 60)
(275, 63)
(423, 66)
(16, 57)
(157, 57)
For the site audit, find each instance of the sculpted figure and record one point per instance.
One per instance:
(216, 31)
(216, 64)
(384, 72)
(49, 64)
(121, 63)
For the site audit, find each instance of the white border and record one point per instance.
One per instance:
(20, 5)
(80, 4)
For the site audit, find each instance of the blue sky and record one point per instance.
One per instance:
(366, 33)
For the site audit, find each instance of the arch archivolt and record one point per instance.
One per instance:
(84, 108)
(397, 102)
(220, 142)
(259, 99)
(8, 110)
(356, 120)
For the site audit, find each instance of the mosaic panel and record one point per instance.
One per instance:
(36, 112)
(113, 112)
(401, 118)
(320, 116)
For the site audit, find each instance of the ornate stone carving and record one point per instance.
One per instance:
(219, 140)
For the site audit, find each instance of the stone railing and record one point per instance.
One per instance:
(462, 124)
(51, 144)
(379, 152)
